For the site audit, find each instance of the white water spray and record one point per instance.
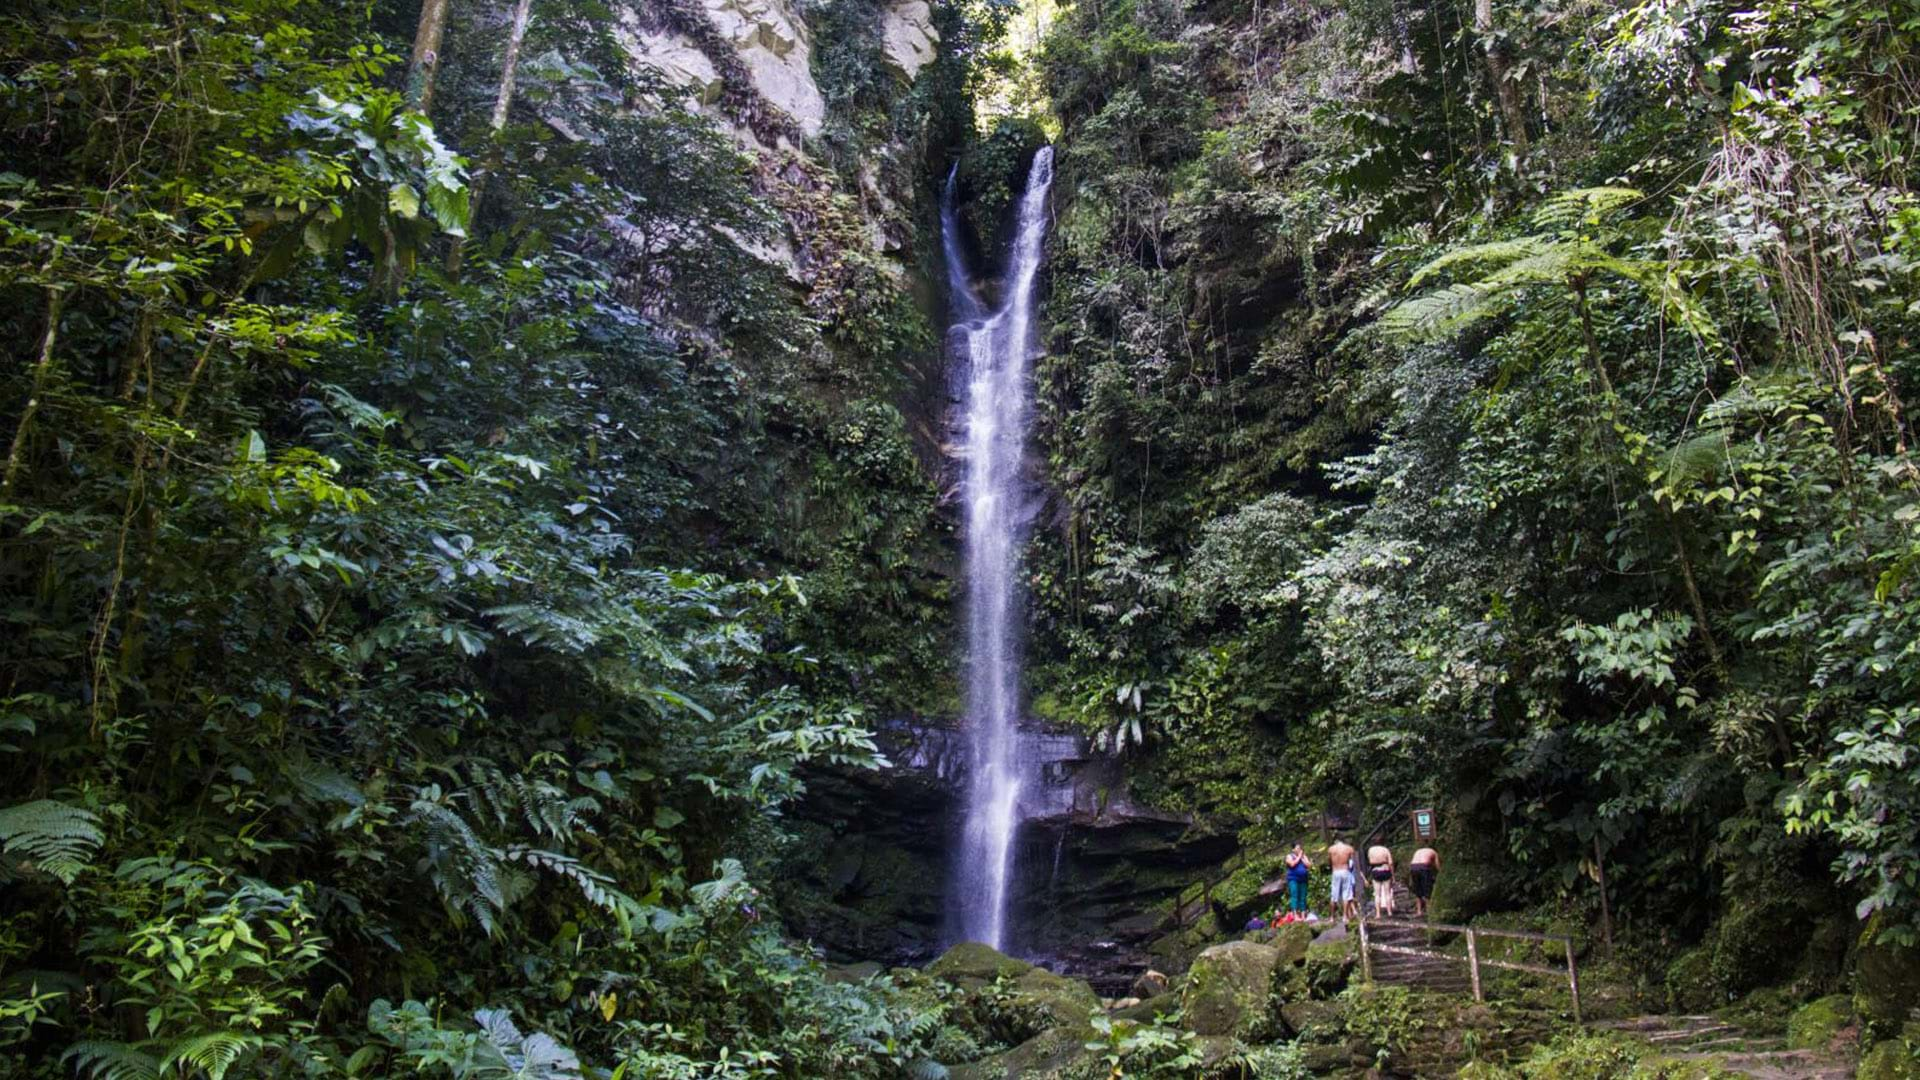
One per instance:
(998, 348)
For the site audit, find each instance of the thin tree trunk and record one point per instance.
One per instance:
(1611, 407)
(1505, 91)
(502, 105)
(1606, 909)
(55, 300)
(425, 61)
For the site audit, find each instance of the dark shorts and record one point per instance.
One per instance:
(1423, 875)
(1383, 873)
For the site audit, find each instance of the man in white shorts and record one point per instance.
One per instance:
(1340, 858)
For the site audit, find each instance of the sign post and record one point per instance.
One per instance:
(1423, 825)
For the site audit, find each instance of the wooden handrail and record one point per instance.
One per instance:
(1483, 931)
(1473, 959)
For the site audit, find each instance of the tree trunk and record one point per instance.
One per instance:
(1505, 91)
(1610, 406)
(502, 104)
(17, 450)
(425, 62)
(1606, 909)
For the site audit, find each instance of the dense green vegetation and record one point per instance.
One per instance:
(437, 537)
(1506, 408)
(431, 546)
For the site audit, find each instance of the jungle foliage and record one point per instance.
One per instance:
(1502, 404)
(431, 543)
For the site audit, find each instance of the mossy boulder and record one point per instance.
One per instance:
(1691, 985)
(1890, 1060)
(1886, 983)
(1229, 990)
(1815, 1025)
(1053, 1052)
(1293, 940)
(971, 963)
(1747, 945)
(1066, 1002)
(1315, 1021)
(1329, 966)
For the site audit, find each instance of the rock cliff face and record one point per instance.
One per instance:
(1094, 870)
(751, 67)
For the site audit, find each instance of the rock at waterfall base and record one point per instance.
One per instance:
(1230, 989)
(972, 963)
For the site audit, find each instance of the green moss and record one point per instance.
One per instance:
(1746, 946)
(1691, 985)
(970, 960)
(1886, 983)
(1891, 1060)
(1328, 968)
(1230, 989)
(1816, 1024)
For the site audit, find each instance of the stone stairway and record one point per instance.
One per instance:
(1417, 972)
(1693, 1038)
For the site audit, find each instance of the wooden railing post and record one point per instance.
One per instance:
(1573, 980)
(1366, 957)
(1473, 964)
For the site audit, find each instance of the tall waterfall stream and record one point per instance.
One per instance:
(997, 350)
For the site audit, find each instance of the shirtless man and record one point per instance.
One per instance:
(1426, 868)
(1380, 866)
(1340, 858)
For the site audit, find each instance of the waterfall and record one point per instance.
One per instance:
(997, 351)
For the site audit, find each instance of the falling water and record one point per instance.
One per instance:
(998, 349)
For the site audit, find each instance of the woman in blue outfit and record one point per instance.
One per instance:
(1298, 868)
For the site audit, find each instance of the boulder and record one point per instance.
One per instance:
(853, 973)
(1890, 1060)
(1329, 966)
(1816, 1024)
(1065, 1002)
(1048, 1053)
(1147, 1011)
(1323, 1022)
(1230, 987)
(1293, 940)
(1886, 982)
(1150, 984)
(971, 962)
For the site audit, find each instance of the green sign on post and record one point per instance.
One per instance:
(1423, 828)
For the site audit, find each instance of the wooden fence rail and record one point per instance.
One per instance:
(1473, 959)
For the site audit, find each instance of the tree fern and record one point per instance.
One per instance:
(51, 837)
(96, 1059)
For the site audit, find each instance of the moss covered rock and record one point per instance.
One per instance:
(1747, 944)
(1328, 968)
(1890, 1060)
(1066, 1002)
(1816, 1024)
(1886, 983)
(1052, 1052)
(973, 962)
(1691, 985)
(1230, 989)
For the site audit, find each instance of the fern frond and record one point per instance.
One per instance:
(213, 1053)
(462, 867)
(97, 1059)
(1498, 253)
(51, 837)
(1568, 208)
(1440, 313)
